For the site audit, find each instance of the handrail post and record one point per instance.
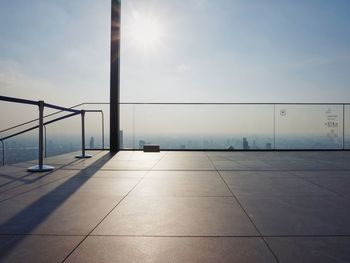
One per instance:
(41, 167)
(3, 152)
(103, 130)
(45, 143)
(83, 154)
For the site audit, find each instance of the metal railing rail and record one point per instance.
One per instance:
(60, 111)
(83, 135)
(49, 115)
(42, 126)
(72, 109)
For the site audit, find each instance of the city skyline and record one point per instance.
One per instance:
(176, 52)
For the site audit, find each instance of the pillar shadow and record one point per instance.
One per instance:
(25, 221)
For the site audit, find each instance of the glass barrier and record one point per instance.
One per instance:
(60, 137)
(236, 126)
(309, 126)
(347, 126)
(191, 127)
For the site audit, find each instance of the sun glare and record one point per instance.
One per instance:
(145, 32)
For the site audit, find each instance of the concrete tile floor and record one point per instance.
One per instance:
(178, 207)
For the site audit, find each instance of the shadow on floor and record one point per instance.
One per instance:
(23, 179)
(25, 221)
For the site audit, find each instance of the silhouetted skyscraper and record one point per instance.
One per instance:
(245, 144)
(141, 144)
(92, 143)
(121, 144)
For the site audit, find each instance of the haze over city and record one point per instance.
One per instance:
(174, 131)
(181, 51)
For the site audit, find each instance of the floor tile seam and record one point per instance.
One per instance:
(41, 234)
(174, 236)
(113, 208)
(56, 180)
(282, 170)
(179, 236)
(246, 213)
(134, 195)
(35, 188)
(224, 236)
(29, 163)
(107, 169)
(47, 174)
(11, 188)
(306, 195)
(315, 184)
(182, 196)
(235, 198)
(13, 178)
(28, 174)
(184, 170)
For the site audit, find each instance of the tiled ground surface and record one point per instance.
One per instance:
(179, 207)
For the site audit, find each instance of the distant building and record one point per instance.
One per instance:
(92, 143)
(206, 144)
(141, 144)
(245, 144)
(230, 148)
(121, 143)
(190, 144)
(268, 146)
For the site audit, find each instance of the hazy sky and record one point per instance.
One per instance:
(187, 50)
(199, 51)
(176, 51)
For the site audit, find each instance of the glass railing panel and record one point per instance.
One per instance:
(347, 126)
(209, 126)
(309, 126)
(21, 148)
(96, 126)
(127, 126)
(63, 136)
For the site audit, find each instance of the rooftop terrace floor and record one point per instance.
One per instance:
(178, 207)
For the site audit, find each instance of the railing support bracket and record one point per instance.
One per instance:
(83, 155)
(41, 167)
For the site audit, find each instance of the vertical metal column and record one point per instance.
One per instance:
(115, 77)
(343, 126)
(83, 154)
(3, 152)
(133, 126)
(41, 167)
(103, 130)
(274, 126)
(45, 145)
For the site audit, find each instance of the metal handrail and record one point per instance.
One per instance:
(42, 126)
(18, 100)
(71, 109)
(49, 115)
(3, 152)
(37, 126)
(60, 110)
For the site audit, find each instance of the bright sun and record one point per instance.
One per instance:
(145, 32)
